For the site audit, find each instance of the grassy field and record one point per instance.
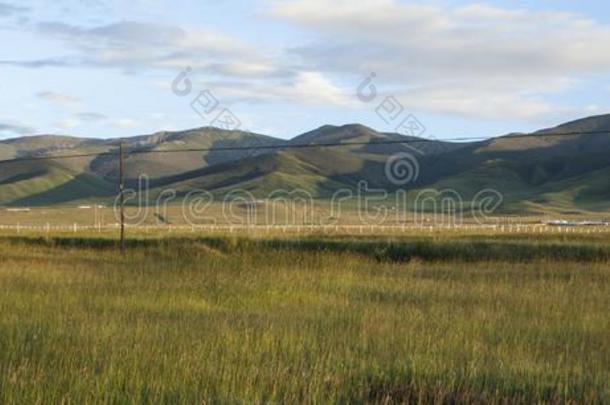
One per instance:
(320, 212)
(513, 319)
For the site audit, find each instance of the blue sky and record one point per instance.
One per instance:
(105, 68)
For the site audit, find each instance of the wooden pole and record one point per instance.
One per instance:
(121, 197)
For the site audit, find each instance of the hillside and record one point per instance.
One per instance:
(47, 181)
(536, 173)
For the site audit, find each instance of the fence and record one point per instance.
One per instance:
(309, 229)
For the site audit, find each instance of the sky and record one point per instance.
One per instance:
(438, 69)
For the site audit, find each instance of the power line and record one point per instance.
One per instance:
(540, 135)
(58, 157)
(121, 151)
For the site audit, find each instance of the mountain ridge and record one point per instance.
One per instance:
(531, 170)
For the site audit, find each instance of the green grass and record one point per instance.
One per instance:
(318, 320)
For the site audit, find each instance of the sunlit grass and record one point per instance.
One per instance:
(232, 320)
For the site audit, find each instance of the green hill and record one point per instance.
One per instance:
(537, 173)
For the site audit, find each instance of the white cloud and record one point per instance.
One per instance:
(593, 109)
(478, 103)
(314, 87)
(475, 60)
(244, 69)
(57, 97)
(91, 116)
(487, 98)
(141, 46)
(307, 87)
(76, 120)
(125, 123)
(467, 40)
(68, 123)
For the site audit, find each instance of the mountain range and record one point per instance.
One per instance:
(538, 173)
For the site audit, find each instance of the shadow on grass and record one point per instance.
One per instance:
(381, 250)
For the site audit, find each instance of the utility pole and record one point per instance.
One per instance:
(121, 196)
